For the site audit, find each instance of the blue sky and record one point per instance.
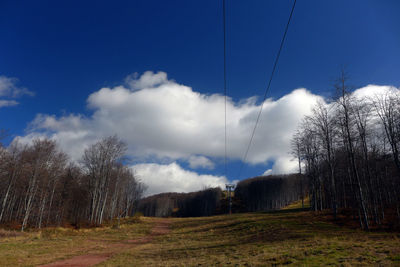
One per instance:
(65, 51)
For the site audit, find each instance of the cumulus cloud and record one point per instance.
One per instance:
(164, 121)
(171, 121)
(9, 89)
(172, 178)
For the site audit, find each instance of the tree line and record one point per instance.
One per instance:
(262, 193)
(195, 204)
(39, 186)
(349, 151)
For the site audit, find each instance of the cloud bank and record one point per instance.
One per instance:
(163, 121)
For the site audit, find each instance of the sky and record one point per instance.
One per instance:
(152, 73)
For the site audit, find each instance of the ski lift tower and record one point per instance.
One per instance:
(230, 187)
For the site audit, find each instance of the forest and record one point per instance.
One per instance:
(40, 187)
(262, 193)
(349, 151)
(267, 193)
(195, 204)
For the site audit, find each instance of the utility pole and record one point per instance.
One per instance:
(229, 187)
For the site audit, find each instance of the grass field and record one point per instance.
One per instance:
(251, 239)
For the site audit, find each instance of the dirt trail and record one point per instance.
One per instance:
(161, 228)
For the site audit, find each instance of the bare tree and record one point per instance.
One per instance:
(387, 107)
(348, 161)
(44, 162)
(296, 145)
(323, 123)
(39, 187)
(99, 161)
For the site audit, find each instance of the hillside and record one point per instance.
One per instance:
(272, 192)
(262, 193)
(194, 204)
(250, 239)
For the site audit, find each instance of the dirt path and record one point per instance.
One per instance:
(161, 228)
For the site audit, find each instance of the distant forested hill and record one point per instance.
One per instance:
(194, 204)
(255, 194)
(271, 192)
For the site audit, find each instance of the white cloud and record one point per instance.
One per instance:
(163, 121)
(9, 89)
(172, 121)
(200, 162)
(172, 178)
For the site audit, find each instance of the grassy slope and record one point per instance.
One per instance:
(251, 239)
(285, 237)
